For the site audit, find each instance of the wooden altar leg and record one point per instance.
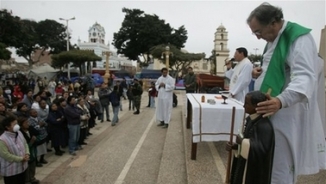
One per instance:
(193, 150)
(189, 113)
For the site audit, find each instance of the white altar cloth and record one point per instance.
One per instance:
(213, 122)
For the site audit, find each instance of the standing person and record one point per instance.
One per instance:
(14, 153)
(73, 119)
(124, 87)
(41, 138)
(240, 75)
(115, 101)
(51, 87)
(190, 81)
(55, 122)
(290, 68)
(137, 91)
(84, 113)
(30, 135)
(255, 146)
(40, 84)
(130, 98)
(153, 94)
(103, 94)
(120, 92)
(28, 98)
(3, 115)
(165, 86)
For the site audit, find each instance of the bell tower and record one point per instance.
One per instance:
(221, 49)
(96, 34)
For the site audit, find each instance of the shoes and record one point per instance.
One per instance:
(73, 153)
(108, 120)
(161, 123)
(58, 153)
(147, 106)
(89, 133)
(49, 150)
(101, 121)
(39, 164)
(165, 126)
(43, 161)
(79, 148)
(137, 112)
(83, 143)
(62, 151)
(113, 124)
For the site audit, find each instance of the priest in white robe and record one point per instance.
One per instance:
(240, 76)
(165, 86)
(290, 71)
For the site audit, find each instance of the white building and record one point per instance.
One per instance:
(96, 43)
(221, 49)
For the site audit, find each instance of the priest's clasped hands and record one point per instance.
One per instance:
(162, 85)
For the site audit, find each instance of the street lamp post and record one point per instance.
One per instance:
(255, 49)
(167, 54)
(107, 55)
(67, 20)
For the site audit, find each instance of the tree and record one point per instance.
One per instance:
(10, 28)
(47, 36)
(179, 61)
(4, 53)
(77, 57)
(140, 32)
(255, 58)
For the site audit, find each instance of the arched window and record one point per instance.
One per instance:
(222, 36)
(222, 46)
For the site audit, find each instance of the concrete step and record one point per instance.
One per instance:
(172, 168)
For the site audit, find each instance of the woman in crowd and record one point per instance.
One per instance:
(18, 94)
(59, 89)
(30, 135)
(14, 153)
(22, 110)
(3, 114)
(41, 139)
(84, 121)
(36, 102)
(56, 123)
(28, 98)
(61, 104)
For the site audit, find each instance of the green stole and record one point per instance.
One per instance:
(275, 75)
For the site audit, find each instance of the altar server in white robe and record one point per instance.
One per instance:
(290, 69)
(240, 76)
(165, 86)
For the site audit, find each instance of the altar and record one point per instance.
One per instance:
(212, 122)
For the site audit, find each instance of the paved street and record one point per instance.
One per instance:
(136, 151)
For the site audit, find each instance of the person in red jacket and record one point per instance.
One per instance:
(18, 94)
(59, 90)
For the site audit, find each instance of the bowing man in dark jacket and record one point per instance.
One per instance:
(254, 161)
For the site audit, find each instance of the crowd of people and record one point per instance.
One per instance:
(53, 115)
(289, 103)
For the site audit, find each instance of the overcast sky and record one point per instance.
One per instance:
(200, 18)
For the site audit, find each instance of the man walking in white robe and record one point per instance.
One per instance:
(165, 86)
(290, 69)
(240, 75)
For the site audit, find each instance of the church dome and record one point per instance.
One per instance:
(221, 27)
(97, 27)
